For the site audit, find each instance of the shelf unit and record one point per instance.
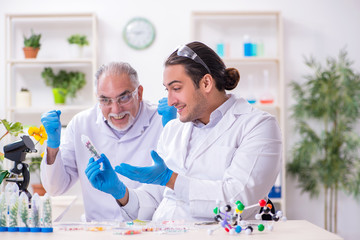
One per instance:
(55, 52)
(229, 29)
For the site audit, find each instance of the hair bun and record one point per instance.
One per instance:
(232, 78)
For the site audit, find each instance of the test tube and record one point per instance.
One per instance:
(46, 214)
(23, 213)
(90, 146)
(3, 213)
(13, 213)
(35, 213)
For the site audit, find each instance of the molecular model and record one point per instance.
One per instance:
(233, 223)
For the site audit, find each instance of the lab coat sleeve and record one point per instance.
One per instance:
(62, 174)
(249, 177)
(143, 201)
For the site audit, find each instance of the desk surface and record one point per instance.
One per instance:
(292, 229)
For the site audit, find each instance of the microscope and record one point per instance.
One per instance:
(16, 152)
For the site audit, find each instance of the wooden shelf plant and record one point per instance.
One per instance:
(32, 45)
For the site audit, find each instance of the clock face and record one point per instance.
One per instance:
(139, 33)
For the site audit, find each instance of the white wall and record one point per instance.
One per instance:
(319, 28)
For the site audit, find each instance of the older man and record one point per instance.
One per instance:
(121, 125)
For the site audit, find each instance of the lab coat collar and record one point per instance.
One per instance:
(138, 128)
(239, 106)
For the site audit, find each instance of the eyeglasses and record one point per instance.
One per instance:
(185, 51)
(120, 100)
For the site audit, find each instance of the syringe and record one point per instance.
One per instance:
(88, 144)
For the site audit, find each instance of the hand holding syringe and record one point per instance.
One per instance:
(88, 144)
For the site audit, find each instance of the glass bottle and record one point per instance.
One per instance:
(266, 97)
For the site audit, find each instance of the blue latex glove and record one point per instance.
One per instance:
(158, 174)
(105, 179)
(168, 112)
(52, 125)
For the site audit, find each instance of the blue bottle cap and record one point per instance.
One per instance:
(13, 229)
(3, 229)
(35, 229)
(47, 230)
(24, 229)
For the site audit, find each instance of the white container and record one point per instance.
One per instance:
(23, 99)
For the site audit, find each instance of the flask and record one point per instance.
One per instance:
(266, 97)
(251, 98)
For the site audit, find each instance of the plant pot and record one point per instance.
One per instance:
(59, 95)
(39, 189)
(23, 99)
(76, 51)
(30, 52)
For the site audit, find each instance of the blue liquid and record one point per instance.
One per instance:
(251, 101)
(248, 49)
(220, 49)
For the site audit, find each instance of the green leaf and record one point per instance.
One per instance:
(3, 174)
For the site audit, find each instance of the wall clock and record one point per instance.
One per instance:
(139, 33)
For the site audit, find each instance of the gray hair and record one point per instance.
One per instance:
(116, 68)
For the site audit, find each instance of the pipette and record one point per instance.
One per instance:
(88, 144)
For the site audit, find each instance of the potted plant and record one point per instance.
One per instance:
(327, 109)
(77, 43)
(64, 83)
(32, 45)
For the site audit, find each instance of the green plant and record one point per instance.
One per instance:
(3, 210)
(32, 41)
(23, 211)
(78, 39)
(326, 156)
(71, 81)
(47, 212)
(13, 220)
(14, 129)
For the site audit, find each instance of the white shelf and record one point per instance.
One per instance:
(39, 110)
(229, 28)
(55, 52)
(50, 61)
(251, 59)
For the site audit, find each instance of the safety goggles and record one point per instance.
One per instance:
(120, 100)
(185, 51)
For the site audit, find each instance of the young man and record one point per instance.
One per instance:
(220, 148)
(121, 125)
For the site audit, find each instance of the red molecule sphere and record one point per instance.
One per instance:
(262, 203)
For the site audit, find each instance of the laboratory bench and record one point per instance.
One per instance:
(291, 229)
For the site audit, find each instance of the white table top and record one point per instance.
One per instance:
(291, 229)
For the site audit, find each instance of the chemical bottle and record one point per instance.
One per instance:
(266, 97)
(251, 98)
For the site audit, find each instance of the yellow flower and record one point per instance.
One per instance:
(38, 133)
(42, 154)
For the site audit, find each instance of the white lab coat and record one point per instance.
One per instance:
(239, 160)
(73, 157)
